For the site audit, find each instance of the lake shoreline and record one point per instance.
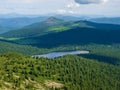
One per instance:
(59, 54)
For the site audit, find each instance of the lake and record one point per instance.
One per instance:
(59, 54)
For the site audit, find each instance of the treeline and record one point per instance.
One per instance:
(104, 53)
(24, 49)
(75, 36)
(74, 72)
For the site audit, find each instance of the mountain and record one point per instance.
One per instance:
(114, 20)
(39, 28)
(17, 15)
(99, 70)
(54, 25)
(77, 17)
(3, 29)
(19, 22)
(73, 18)
(76, 36)
(15, 23)
(64, 32)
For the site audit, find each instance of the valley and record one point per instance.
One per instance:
(81, 55)
(60, 45)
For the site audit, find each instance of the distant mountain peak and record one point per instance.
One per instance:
(52, 20)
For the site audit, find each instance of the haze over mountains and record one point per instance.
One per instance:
(60, 45)
(65, 32)
(43, 31)
(40, 35)
(112, 20)
(16, 21)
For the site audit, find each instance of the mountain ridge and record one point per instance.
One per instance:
(107, 20)
(53, 25)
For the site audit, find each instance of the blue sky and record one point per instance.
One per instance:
(82, 7)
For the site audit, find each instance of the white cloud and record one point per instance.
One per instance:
(63, 11)
(71, 12)
(73, 5)
(90, 1)
(31, 6)
(21, 1)
(112, 7)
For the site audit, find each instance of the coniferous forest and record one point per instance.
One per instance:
(23, 68)
(19, 72)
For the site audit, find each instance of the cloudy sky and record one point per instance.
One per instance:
(82, 7)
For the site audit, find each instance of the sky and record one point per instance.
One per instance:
(70, 7)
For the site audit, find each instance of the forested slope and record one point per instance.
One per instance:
(76, 36)
(69, 72)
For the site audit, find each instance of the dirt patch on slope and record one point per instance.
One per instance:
(52, 84)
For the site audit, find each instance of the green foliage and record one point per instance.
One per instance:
(99, 70)
(76, 73)
(37, 29)
(24, 49)
(59, 29)
(104, 53)
(53, 25)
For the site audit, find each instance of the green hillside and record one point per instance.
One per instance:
(75, 36)
(53, 25)
(102, 53)
(38, 29)
(50, 25)
(98, 70)
(65, 73)
(60, 35)
(6, 46)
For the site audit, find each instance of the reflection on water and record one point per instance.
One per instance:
(58, 54)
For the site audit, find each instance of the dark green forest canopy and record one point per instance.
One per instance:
(74, 72)
(103, 53)
(53, 25)
(99, 70)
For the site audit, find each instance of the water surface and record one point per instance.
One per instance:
(59, 54)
